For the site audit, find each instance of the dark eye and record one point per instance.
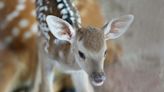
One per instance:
(81, 55)
(105, 53)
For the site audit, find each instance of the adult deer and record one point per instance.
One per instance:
(70, 48)
(18, 53)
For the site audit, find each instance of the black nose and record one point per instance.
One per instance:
(98, 77)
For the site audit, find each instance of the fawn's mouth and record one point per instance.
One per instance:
(97, 83)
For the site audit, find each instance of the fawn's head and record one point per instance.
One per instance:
(89, 44)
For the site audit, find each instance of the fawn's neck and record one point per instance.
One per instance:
(65, 10)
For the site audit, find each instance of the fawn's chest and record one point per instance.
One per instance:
(61, 53)
(58, 54)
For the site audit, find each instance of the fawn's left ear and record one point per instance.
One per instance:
(60, 28)
(116, 27)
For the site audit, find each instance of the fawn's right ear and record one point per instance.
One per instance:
(60, 28)
(116, 27)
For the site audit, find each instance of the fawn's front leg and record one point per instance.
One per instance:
(47, 79)
(47, 73)
(81, 82)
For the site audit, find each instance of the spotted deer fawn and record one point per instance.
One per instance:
(68, 47)
(18, 53)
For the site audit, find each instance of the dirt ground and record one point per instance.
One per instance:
(141, 68)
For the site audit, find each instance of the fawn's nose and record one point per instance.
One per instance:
(98, 78)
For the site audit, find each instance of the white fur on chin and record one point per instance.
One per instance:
(97, 84)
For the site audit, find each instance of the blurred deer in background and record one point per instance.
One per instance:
(18, 50)
(70, 48)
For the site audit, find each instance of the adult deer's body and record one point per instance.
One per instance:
(18, 50)
(70, 48)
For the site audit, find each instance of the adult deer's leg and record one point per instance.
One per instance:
(8, 75)
(81, 82)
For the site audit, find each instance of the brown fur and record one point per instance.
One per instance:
(25, 14)
(114, 52)
(114, 49)
(90, 12)
(18, 61)
(92, 38)
(17, 67)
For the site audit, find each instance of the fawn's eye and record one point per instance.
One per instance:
(81, 54)
(105, 53)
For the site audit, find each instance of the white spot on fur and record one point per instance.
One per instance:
(71, 13)
(43, 8)
(2, 5)
(12, 15)
(64, 11)
(46, 8)
(20, 6)
(65, 2)
(64, 16)
(27, 35)
(23, 23)
(34, 28)
(60, 6)
(15, 32)
(58, 0)
(33, 13)
(72, 18)
(67, 10)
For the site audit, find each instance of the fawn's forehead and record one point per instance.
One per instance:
(93, 39)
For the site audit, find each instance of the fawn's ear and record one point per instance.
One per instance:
(61, 29)
(116, 27)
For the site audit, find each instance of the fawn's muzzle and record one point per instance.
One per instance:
(98, 78)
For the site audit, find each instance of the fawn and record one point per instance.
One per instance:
(18, 52)
(70, 48)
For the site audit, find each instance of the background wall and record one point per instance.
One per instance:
(141, 68)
